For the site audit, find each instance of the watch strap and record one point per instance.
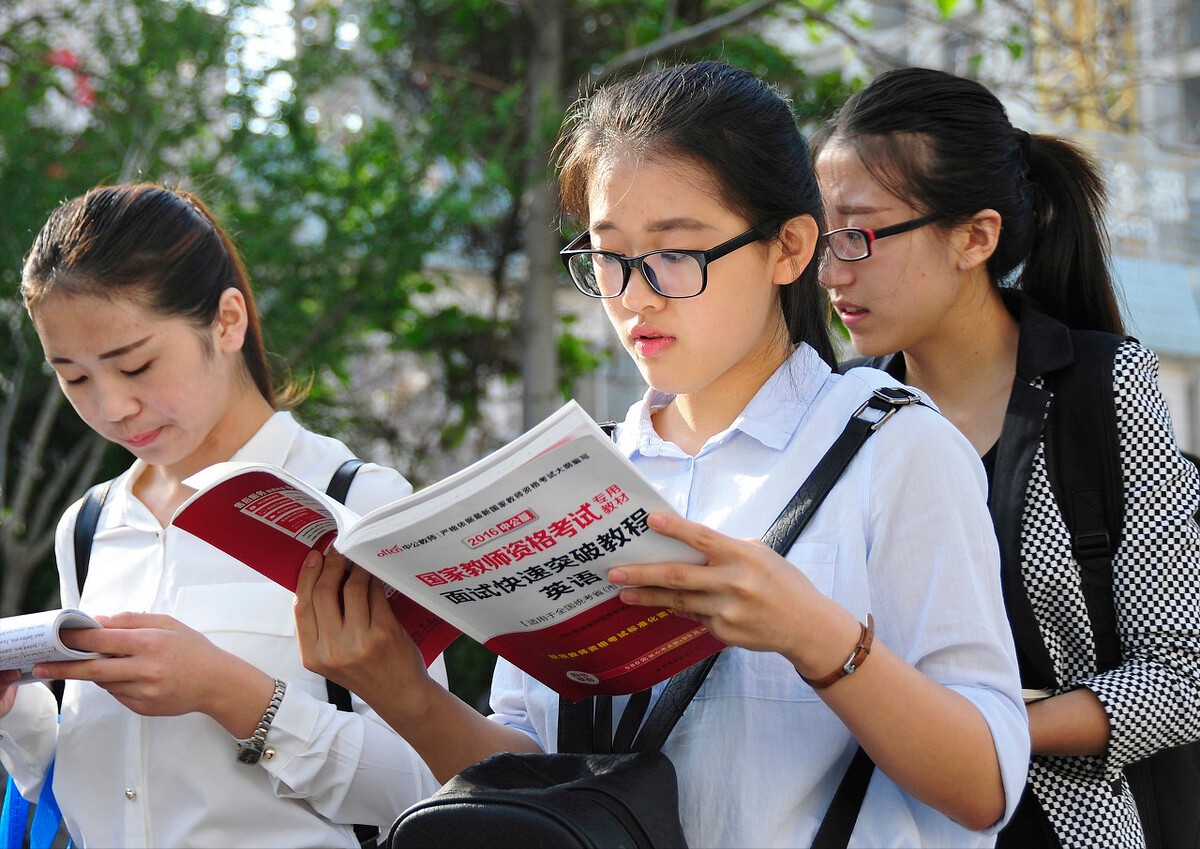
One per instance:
(250, 750)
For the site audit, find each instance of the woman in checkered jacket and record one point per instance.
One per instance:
(995, 250)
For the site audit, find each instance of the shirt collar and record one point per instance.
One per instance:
(273, 441)
(771, 416)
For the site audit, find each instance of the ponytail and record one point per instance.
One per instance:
(1067, 267)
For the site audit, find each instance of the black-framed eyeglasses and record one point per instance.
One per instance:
(850, 244)
(671, 273)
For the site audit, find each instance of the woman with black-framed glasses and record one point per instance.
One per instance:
(670, 273)
(894, 578)
(997, 295)
(851, 244)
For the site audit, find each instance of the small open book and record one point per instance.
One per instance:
(36, 638)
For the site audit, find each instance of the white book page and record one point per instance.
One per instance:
(34, 638)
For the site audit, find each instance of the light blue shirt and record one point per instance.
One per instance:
(905, 535)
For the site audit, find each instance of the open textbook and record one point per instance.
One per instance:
(35, 638)
(512, 551)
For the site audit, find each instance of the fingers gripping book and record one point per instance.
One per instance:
(33, 638)
(512, 551)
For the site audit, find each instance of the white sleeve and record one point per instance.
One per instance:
(29, 732)
(28, 737)
(937, 598)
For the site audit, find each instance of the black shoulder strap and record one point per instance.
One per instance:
(339, 488)
(867, 419)
(1195, 461)
(85, 529)
(339, 484)
(1084, 466)
(838, 824)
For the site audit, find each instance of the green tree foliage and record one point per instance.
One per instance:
(89, 92)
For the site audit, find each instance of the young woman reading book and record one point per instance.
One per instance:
(701, 218)
(145, 314)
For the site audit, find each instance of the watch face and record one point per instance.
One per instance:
(250, 751)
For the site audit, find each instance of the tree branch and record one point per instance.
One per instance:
(34, 453)
(474, 77)
(877, 57)
(82, 461)
(11, 402)
(680, 38)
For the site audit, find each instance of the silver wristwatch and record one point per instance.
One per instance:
(251, 749)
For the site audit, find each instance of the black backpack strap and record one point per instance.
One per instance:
(671, 705)
(339, 488)
(85, 529)
(631, 721)
(835, 829)
(1084, 466)
(868, 418)
(1195, 461)
(339, 484)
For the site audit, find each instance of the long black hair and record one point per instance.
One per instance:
(732, 123)
(945, 146)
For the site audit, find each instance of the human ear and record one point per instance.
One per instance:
(977, 239)
(232, 321)
(798, 238)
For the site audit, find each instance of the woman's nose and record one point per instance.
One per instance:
(834, 273)
(114, 401)
(639, 294)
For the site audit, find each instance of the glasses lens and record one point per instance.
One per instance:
(849, 244)
(675, 275)
(596, 274)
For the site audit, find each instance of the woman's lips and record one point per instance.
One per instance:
(142, 439)
(851, 314)
(650, 343)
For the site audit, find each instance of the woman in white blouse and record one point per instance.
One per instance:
(733, 341)
(145, 314)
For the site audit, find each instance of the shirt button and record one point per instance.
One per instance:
(130, 793)
(268, 754)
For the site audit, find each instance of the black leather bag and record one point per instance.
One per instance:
(554, 801)
(628, 796)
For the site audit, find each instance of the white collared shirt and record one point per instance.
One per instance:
(904, 535)
(133, 781)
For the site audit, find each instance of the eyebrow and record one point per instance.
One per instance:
(663, 226)
(858, 209)
(107, 355)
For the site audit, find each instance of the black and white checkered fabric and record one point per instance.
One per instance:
(1153, 698)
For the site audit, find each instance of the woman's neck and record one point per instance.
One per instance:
(691, 419)
(968, 369)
